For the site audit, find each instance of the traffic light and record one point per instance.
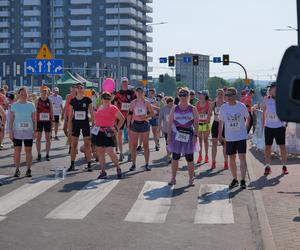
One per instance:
(225, 59)
(161, 78)
(171, 60)
(178, 77)
(195, 60)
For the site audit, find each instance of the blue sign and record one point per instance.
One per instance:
(163, 60)
(44, 67)
(217, 60)
(187, 59)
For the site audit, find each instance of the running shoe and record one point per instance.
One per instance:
(132, 168)
(172, 182)
(71, 168)
(267, 170)
(206, 159)
(28, 173)
(191, 182)
(156, 148)
(103, 175)
(226, 165)
(199, 159)
(119, 173)
(39, 157)
(129, 157)
(147, 168)
(233, 184)
(47, 158)
(139, 148)
(17, 173)
(121, 158)
(89, 168)
(213, 165)
(243, 184)
(1, 146)
(285, 170)
(56, 138)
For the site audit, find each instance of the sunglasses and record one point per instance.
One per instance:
(106, 98)
(229, 94)
(183, 94)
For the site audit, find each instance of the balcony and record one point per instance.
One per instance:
(4, 24)
(140, 46)
(58, 3)
(140, 4)
(32, 45)
(148, 9)
(58, 24)
(81, 1)
(80, 44)
(82, 22)
(32, 12)
(4, 45)
(149, 59)
(79, 33)
(59, 46)
(4, 3)
(4, 35)
(131, 11)
(31, 2)
(128, 21)
(59, 35)
(149, 39)
(122, 44)
(149, 49)
(133, 2)
(31, 23)
(149, 1)
(81, 11)
(149, 19)
(122, 54)
(32, 34)
(122, 33)
(140, 57)
(149, 28)
(4, 13)
(58, 13)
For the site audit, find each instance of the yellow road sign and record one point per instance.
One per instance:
(144, 82)
(44, 53)
(247, 81)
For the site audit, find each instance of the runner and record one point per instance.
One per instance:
(80, 108)
(10, 101)
(139, 112)
(57, 103)
(44, 112)
(164, 120)
(274, 129)
(247, 100)
(216, 105)
(193, 99)
(2, 124)
(177, 99)
(235, 117)
(182, 135)
(104, 131)
(122, 100)
(22, 129)
(204, 109)
(154, 120)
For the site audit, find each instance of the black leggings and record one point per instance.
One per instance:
(188, 157)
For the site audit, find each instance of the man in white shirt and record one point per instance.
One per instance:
(235, 117)
(57, 103)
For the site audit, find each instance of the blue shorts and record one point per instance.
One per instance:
(154, 122)
(140, 126)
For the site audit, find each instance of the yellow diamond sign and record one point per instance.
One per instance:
(247, 81)
(44, 53)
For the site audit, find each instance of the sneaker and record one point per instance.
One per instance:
(172, 182)
(89, 168)
(267, 170)
(199, 159)
(226, 165)
(17, 173)
(243, 184)
(156, 148)
(213, 165)
(103, 175)
(129, 157)
(47, 158)
(71, 168)
(147, 168)
(191, 182)
(56, 138)
(285, 170)
(139, 148)
(121, 158)
(39, 157)
(233, 184)
(206, 159)
(132, 168)
(119, 173)
(1, 146)
(28, 173)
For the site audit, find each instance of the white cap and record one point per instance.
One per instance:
(124, 79)
(56, 89)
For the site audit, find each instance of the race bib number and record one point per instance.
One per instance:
(44, 117)
(272, 117)
(80, 115)
(24, 126)
(203, 116)
(140, 111)
(95, 130)
(125, 106)
(182, 137)
(235, 125)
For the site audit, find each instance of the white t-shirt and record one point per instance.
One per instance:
(234, 121)
(56, 102)
(272, 120)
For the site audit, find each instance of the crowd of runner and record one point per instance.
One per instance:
(109, 120)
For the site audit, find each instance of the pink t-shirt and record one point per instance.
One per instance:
(106, 117)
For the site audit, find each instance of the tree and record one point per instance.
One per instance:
(215, 83)
(168, 86)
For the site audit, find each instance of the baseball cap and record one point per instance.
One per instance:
(79, 84)
(140, 89)
(56, 89)
(43, 88)
(273, 84)
(124, 79)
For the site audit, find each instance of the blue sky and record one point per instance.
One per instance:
(242, 28)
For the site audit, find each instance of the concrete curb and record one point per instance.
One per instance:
(267, 235)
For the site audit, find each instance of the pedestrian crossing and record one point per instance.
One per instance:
(151, 206)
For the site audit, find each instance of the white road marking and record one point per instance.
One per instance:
(214, 205)
(3, 176)
(84, 201)
(25, 193)
(153, 203)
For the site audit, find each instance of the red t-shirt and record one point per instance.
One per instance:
(123, 98)
(106, 117)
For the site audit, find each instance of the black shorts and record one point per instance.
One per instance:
(275, 133)
(56, 118)
(46, 126)
(124, 125)
(188, 157)
(140, 126)
(84, 127)
(27, 142)
(101, 140)
(233, 147)
(215, 130)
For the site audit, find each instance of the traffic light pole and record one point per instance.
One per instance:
(298, 20)
(245, 71)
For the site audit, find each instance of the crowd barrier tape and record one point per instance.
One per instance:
(292, 136)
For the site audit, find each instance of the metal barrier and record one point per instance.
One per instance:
(292, 136)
